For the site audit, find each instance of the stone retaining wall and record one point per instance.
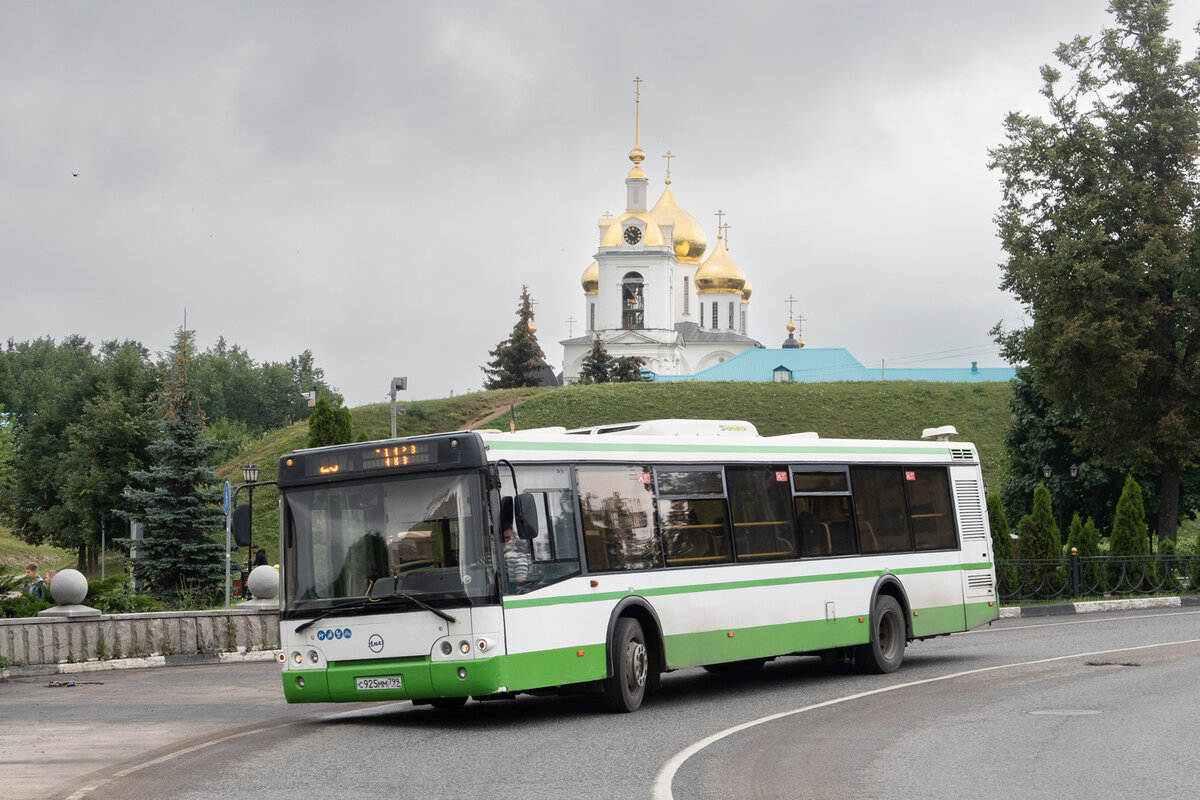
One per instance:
(56, 640)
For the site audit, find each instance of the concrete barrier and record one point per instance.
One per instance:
(32, 642)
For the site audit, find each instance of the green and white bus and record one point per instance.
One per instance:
(638, 549)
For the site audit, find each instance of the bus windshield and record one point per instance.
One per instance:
(424, 537)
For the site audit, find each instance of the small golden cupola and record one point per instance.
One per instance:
(690, 242)
(720, 273)
(591, 278)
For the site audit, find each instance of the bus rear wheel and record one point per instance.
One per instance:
(885, 652)
(625, 689)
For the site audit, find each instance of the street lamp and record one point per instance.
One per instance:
(249, 477)
(1047, 471)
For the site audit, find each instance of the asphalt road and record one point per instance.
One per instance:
(1087, 706)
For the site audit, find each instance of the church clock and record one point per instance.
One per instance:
(633, 234)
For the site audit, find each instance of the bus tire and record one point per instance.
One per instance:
(625, 689)
(885, 652)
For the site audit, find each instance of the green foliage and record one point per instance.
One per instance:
(518, 360)
(1130, 538)
(1037, 533)
(113, 596)
(177, 499)
(597, 365)
(1098, 221)
(22, 604)
(230, 385)
(1001, 540)
(330, 424)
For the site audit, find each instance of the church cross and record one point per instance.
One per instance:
(720, 215)
(669, 155)
(790, 301)
(571, 326)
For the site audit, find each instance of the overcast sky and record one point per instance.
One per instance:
(374, 181)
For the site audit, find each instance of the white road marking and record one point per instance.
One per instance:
(662, 782)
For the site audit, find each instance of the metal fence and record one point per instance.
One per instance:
(1076, 577)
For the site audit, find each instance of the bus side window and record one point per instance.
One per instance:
(617, 508)
(930, 508)
(881, 509)
(695, 524)
(823, 511)
(760, 504)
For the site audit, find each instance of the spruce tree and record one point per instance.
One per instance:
(597, 365)
(177, 498)
(330, 424)
(518, 361)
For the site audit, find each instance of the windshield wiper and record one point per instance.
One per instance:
(362, 606)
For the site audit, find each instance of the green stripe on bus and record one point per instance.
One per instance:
(536, 602)
(587, 444)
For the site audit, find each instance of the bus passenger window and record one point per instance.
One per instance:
(760, 504)
(930, 508)
(880, 508)
(617, 511)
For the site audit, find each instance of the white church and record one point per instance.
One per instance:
(652, 293)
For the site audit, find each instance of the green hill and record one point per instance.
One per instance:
(879, 410)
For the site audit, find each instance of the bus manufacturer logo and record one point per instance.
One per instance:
(333, 633)
(375, 643)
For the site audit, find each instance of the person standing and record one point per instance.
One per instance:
(34, 584)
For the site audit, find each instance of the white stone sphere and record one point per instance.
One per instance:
(263, 581)
(69, 587)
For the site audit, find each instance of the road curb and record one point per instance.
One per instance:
(1099, 606)
(174, 660)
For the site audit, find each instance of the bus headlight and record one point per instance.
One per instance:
(297, 657)
(313, 656)
(464, 647)
(447, 648)
(482, 644)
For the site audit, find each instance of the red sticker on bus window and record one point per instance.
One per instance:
(643, 477)
(909, 475)
(781, 477)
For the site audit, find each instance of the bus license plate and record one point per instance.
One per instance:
(386, 682)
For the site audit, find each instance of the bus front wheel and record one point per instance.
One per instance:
(885, 651)
(625, 689)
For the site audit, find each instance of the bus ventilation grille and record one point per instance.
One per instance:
(962, 454)
(970, 510)
(980, 583)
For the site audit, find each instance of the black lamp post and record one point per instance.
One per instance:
(249, 477)
(1047, 471)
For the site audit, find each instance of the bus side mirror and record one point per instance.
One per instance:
(240, 524)
(527, 519)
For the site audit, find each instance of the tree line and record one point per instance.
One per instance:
(79, 423)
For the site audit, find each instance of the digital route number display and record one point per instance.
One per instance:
(434, 452)
(398, 455)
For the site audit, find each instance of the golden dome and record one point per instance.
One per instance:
(652, 234)
(747, 290)
(720, 273)
(690, 243)
(591, 278)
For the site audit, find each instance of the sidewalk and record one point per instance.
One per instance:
(58, 729)
(1098, 606)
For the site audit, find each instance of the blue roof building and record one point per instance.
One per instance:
(827, 365)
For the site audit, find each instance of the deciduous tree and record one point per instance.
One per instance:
(1099, 222)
